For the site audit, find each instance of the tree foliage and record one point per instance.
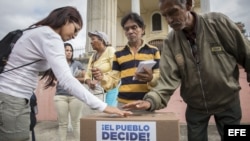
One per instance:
(241, 27)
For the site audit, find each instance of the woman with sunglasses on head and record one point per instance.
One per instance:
(44, 43)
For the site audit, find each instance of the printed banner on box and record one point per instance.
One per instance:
(125, 131)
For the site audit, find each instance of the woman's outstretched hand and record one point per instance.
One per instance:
(114, 110)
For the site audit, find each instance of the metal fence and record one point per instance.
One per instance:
(79, 51)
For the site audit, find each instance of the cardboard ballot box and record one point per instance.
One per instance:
(157, 126)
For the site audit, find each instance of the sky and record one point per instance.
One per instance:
(19, 14)
(237, 10)
(15, 14)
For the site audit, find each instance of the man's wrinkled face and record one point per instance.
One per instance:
(175, 15)
(132, 31)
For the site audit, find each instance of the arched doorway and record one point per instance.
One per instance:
(158, 43)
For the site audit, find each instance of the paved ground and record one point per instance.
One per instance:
(47, 131)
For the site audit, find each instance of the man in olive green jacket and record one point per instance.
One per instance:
(201, 55)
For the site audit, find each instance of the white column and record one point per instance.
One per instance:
(101, 16)
(205, 6)
(135, 6)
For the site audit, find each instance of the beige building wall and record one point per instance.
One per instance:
(105, 15)
(101, 16)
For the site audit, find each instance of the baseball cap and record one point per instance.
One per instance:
(100, 34)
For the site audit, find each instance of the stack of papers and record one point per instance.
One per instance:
(147, 64)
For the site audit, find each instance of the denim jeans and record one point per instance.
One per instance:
(14, 118)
